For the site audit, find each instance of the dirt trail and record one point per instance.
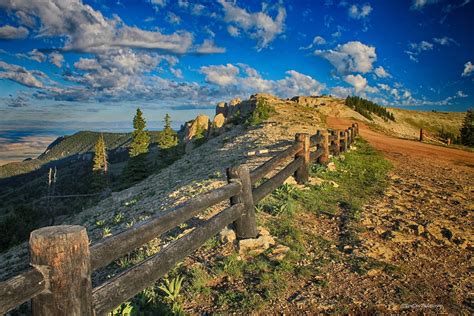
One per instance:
(422, 225)
(394, 147)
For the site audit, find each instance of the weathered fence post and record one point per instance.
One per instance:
(325, 145)
(342, 142)
(246, 225)
(302, 173)
(337, 142)
(62, 254)
(352, 133)
(421, 135)
(354, 128)
(349, 137)
(346, 140)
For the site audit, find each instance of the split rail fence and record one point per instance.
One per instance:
(59, 280)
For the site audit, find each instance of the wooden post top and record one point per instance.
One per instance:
(57, 231)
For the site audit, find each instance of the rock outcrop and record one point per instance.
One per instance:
(307, 101)
(198, 126)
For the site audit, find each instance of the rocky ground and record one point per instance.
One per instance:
(416, 239)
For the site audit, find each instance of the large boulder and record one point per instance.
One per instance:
(197, 126)
(233, 107)
(218, 121)
(221, 108)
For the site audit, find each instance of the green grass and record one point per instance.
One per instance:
(233, 285)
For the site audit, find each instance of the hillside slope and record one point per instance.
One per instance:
(70, 147)
(203, 168)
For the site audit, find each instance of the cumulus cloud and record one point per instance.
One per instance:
(243, 79)
(10, 32)
(21, 75)
(358, 82)
(317, 40)
(461, 94)
(414, 49)
(35, 55)
(173, 18)
(360, 12)
(381, 72)
(56, 59)
(350, 57)
(221, 75)
(208, 47)
(233, 31)
(259, 25)
(87, 30)
(468, 69)
(420, 4)
(341, 92)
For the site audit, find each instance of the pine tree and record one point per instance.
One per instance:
(140, 137)
(467, 129)
(167, 138)
(137, 168)
(100, 166)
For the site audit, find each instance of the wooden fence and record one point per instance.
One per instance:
(59, 280)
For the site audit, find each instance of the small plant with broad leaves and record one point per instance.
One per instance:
(172, 290)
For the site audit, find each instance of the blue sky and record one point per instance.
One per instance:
(71, 65)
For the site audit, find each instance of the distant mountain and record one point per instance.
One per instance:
(71, 147)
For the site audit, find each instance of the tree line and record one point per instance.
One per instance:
(366, 108)
(138, 166)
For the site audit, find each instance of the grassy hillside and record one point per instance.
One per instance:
(430, 121)
(67, 146)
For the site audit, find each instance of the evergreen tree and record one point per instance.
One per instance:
(167, 138)
(467, 129)
(140, 137)
(137, 168)
(100, 166)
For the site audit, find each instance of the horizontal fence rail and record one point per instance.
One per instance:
(116, 246)
(59, 281)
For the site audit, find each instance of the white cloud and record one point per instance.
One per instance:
(233, 31)
(296, 83)
(381, 72)
(10, 32)
(56, 59)
(414, 49)
(157, 4)
(221, 75)
(468, 69)
(350, 57)
(177, 72)
(361, 12)
(241, 79)
(173, 18)
(317, 40)
(259, 25)
(208, 47)
(444, 41)
(384, 87)
(21, 75)
(420, 4)
(358, 82)
(87, 30)
(461, 94)
(35, 55)
(341, 92)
